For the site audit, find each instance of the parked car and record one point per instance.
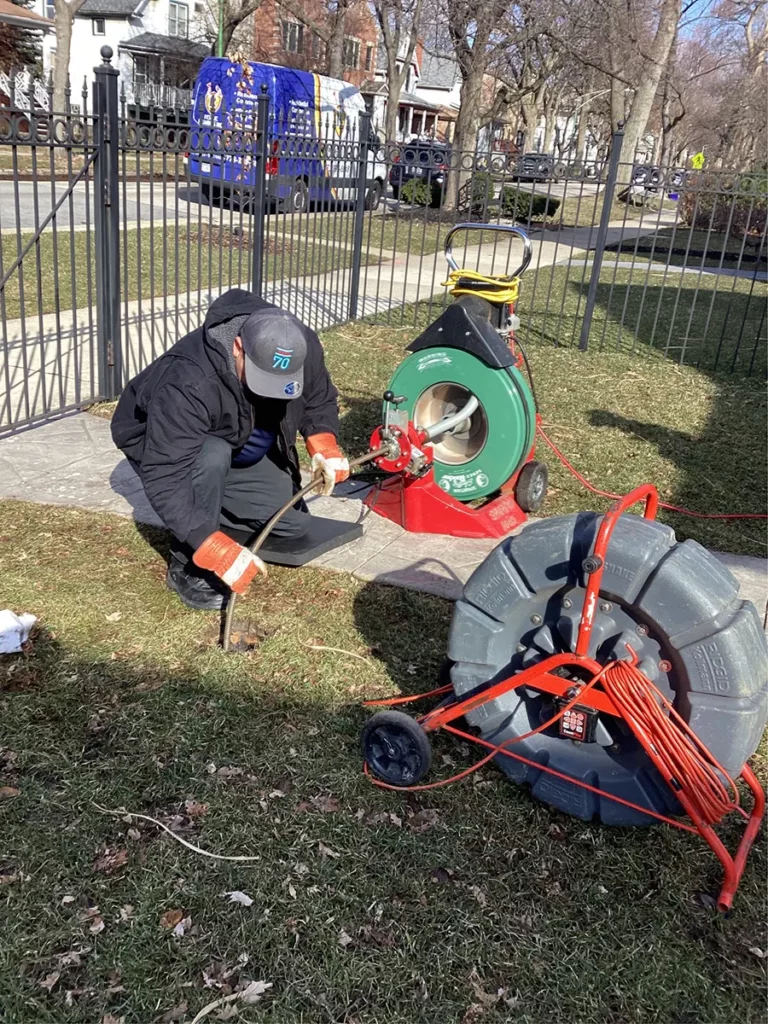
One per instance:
(421, 160)
(534, 167)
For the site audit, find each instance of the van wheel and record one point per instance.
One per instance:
(373, 196)
(298, 200)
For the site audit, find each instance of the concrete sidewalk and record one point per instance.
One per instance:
(72, 461)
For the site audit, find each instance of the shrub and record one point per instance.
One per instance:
(520, 205)
(481, 192)
(417, 192)
(739, 213)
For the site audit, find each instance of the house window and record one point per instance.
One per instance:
(369, 56)
(99, 28)
(178, 20)
(293, 37)
(351, 52)
(50, 10)
(140, 71)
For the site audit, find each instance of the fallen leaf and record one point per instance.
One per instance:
(239, 897)
(486, 999)
(761, 953)
(474, 1012)
(395, 819)
(194, 809)
(253, 991)
(345, 939)
(182, 927)
(326, 851)
(97, 926)
(109, 1018)
(706, 900)
(49, 982)
(479, 895)
(109, 860)
(424, 819)
(126, 913)
(73, 957)
(114, 617)
(171, 918)
(228, 1012)
(66, 900)
(6, 792)
(325, 804)
(228, 772)
(176, 1013)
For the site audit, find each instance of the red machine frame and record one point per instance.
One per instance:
(542, 677)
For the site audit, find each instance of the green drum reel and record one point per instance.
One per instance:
(475, 460)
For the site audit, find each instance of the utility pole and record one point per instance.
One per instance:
(220, 37)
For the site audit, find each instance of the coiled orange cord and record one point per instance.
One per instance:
(679, 755)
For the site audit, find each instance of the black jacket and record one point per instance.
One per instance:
(191, 392)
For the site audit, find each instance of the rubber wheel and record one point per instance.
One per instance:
(677, 606)
(396, 748)
(531, 486)
(373, 196)
(298, 200)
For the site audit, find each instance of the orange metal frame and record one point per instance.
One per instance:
(541, 677)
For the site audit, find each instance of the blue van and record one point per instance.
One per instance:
(313, 129)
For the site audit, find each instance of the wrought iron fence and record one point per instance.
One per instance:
(119, 225)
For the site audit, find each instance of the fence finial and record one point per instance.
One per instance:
(106, 54)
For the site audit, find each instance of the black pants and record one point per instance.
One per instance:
(244, 498)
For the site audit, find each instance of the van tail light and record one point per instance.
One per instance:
(272, 165)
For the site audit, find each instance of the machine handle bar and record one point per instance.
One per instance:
(505, 228)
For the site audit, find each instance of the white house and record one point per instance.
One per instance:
(156, 44)
(429, 99)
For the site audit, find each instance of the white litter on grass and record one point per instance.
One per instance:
(14, 630)
(239, 897)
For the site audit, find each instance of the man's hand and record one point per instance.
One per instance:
(231, 562)
(327, 459)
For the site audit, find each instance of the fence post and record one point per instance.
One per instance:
(259, 193)
(602, 234)
(362, 192)
(107, 226)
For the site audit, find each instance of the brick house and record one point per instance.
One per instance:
(280, 38)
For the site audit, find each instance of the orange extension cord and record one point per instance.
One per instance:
(680, 757)
(607, 494)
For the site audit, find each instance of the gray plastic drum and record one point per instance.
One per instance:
(676, 605)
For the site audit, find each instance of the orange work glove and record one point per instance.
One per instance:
(233, 564)
(328, 459)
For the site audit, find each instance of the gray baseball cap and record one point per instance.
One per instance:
(275, 349)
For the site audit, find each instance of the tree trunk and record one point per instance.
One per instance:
(550, 123)
(645, 92)
(530, 112)
(335, 44)
(65, 13)
(581, 130)
(465, 137)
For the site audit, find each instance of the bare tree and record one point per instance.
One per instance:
(64, 16)
(400, 24)
(328, 22)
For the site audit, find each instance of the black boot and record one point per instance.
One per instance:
(197, 588)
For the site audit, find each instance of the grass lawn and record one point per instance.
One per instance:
(154, 262)
(466, 905)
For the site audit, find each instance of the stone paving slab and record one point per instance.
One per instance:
(72, 461)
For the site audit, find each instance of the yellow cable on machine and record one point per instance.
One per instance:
(493, 289)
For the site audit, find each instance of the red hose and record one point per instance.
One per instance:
(607, 494)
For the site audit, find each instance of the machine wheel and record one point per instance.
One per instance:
(677, 606)
(531, 486)
(396, 748)
(373, 196)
